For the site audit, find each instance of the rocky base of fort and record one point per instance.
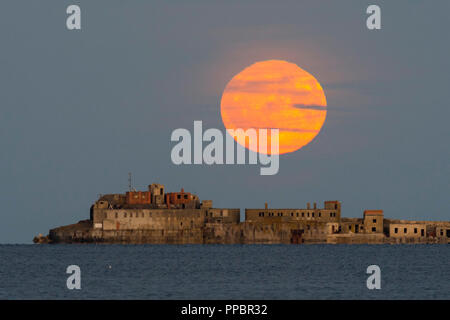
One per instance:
(215, 233)
(244, 233)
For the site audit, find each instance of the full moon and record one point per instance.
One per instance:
(275, 94)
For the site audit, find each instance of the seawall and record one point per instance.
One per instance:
(219, 233)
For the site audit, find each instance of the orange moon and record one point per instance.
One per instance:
(275, 94)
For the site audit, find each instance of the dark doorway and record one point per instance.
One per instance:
(356, 228)
(296, 236)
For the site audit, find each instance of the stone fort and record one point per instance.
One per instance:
(154, 216)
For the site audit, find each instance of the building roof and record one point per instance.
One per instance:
(373, 212)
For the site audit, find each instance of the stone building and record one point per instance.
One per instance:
(407, 230)
(155, 210)
(304, 225)
(373, 221)
(442, 233)
(330, 213)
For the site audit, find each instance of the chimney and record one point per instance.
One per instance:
(308, 206)
(315, 205)
(168, 201)
(265, 206)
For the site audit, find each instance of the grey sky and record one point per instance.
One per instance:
(80, 109)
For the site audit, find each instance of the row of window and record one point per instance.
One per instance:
(280, 214)
(405, 230)
(211, 214)
(356, 227)
(149, 214)
(131, 215)
(134, 215)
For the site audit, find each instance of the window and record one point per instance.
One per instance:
(125, 215)
(117, 215)
(374, 220)
(415, 230)
(292, 214)
(374, 229)
(331, 214)
(308, 227)
(185, 196)
(422, 232)
(396, 230)
(405, 230)
(297, 214)
(320, 214)
(312, 214)
(308, 214)
(178, 196)
(131, 214)
(303, 214)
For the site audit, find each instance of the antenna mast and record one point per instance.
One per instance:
(129, 181)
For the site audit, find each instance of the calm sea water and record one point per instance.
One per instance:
(224, 271)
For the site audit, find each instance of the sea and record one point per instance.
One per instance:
(260, 272)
